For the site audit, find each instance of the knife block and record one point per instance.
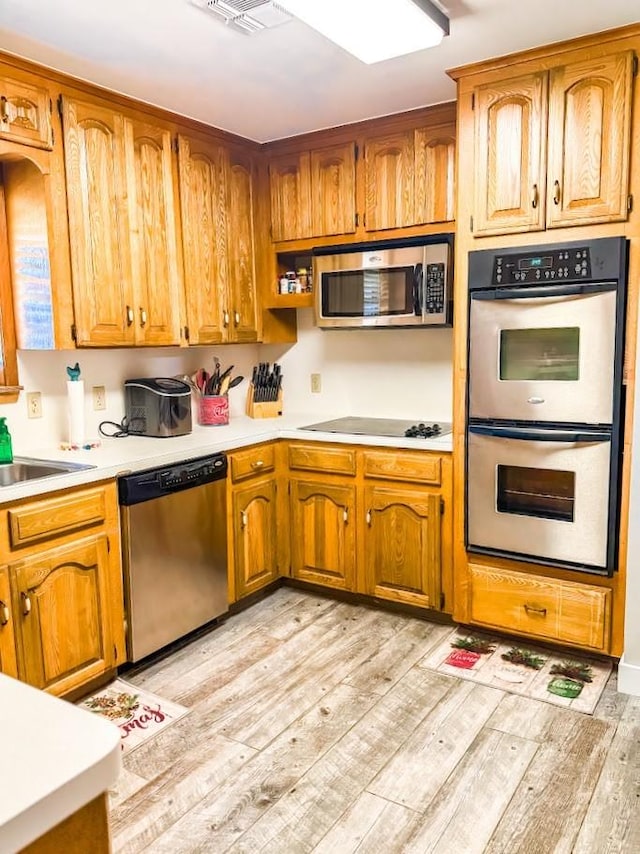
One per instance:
(264, 409)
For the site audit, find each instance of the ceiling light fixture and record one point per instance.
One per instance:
(374, 30)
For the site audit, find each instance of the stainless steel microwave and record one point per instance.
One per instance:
(394, 283)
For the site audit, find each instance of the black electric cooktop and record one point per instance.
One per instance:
(392, 427)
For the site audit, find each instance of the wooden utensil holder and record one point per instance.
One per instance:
(263, 409)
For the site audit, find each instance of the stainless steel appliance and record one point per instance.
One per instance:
(174, 532)
(544, 401)
(159, 406)
(394, 283)
(392, 427)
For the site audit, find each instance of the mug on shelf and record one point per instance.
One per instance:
(213, 410)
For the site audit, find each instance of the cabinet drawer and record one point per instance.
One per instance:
(322, 459)
(254, 461)
(403, 465)
(564, 611)
(54, 517)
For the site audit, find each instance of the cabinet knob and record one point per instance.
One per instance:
(26, 604)
(225, 317)
(243, 519)
(534, 196)
(129, 315)
(368, 517)
(4, 115)
(556, 192)
(4, 613)
(258, 464)
(143, 316)
(531, 609)
(345, 515)
(236, 318)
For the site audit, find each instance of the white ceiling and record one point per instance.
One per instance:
(282, 81)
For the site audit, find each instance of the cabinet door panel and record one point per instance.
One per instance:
(323, 539)
(402, 546)
(510, 132)
(25, 113)
(242, 303)
(333, 178)
(434, 175)
(389, 164)
(203, 204)
(63, 626)
(589, 120)
(8, 664)
(289, 180)
(98, 224)
(254, 513)
(153, 231)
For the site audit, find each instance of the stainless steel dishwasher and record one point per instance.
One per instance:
(174, 540)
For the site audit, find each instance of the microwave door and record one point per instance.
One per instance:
(548, 358)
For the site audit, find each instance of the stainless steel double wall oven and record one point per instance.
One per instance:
(545, 401)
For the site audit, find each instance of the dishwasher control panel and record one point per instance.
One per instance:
(154, 483)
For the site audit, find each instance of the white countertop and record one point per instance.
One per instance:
(135, 453)
(56, 758)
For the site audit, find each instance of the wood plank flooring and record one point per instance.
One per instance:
(314, 728)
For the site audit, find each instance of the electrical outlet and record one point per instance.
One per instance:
(99, 397)
(34, 404)
(316, 383)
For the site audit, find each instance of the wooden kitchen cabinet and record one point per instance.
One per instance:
(581, 175)
(8, 663)
(65, 583)
(313, 192)
(253, 495)
(216, 194)
(122, 227)
(323, 539)
(409, 178)
(25, 112)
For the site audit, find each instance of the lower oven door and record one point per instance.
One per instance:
(540, 495)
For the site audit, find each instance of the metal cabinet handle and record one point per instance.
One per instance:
(129, 315)
(4, 115)
(368, 517)
(530, 609)
(26, 604)
(534, 196)
(236, 318)
(225, 315)
(143, 316)
(243, 519)
(4, 613)
(258, 464)
(556, 192)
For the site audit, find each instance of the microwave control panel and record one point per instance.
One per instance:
(434, 289)
(546, 266)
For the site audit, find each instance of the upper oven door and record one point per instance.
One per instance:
(543, 354)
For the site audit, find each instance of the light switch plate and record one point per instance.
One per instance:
(316, 383)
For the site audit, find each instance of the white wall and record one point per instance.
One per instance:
(385, 372)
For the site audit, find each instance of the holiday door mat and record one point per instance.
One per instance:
(138, 713)
(574, 682)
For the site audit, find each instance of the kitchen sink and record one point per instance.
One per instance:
(27, 468)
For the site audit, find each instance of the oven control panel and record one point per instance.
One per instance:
(542, 267)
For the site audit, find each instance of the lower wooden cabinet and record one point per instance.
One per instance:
(564, 611)
(402, 546)
(323, 539)
(255, 535)
(8, 663)
(63, 621)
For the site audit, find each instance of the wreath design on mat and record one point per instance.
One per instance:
(114, 706)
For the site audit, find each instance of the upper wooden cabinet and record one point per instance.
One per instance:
(25, 113)
(216, 195)
(313, 193)
(122, 228)
(582, 175)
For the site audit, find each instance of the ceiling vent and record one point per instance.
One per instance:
(245, 16)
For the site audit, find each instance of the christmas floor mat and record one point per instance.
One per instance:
(575, 682)
(139, 714)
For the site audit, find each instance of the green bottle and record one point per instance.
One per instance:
(6, 451)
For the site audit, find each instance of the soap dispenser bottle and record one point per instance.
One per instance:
(6, 451)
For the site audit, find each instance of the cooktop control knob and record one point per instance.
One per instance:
(422, 431)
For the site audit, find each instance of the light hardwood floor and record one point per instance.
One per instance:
(313, 727)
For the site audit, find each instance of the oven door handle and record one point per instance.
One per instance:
(540, 435)
(557, 289)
